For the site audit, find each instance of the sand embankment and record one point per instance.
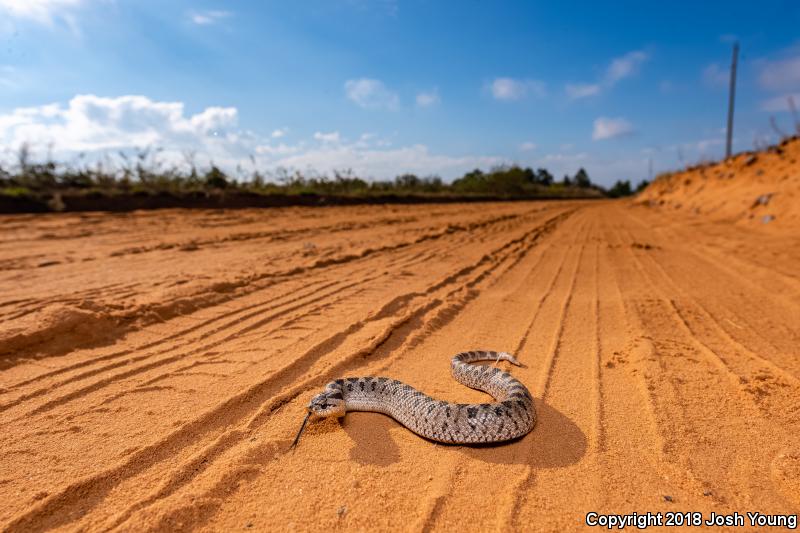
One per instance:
(154, 366)
(751, 188)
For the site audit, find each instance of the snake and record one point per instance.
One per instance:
(510, 416)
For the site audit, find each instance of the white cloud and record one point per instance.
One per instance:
(527, 146)
(329, 138)
(582, 90)
(778, 104)
(207, 17)
(565, 158)
(609, 128)
(625, 66)
(371, 94)
(428, 99)
(619, 69)
(280, 132)
(780, 75)
(42, 11)
(715, 75)
(514, 89)
(280, 150)
(99, 125)
(94, 124)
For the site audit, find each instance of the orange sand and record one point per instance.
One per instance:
(154, 366)
(750, 189)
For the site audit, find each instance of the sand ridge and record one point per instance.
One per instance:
(155, 365)
(754, 189)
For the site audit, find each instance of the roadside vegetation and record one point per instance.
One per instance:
(55, 185)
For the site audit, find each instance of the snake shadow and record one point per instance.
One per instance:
(555, 442)
(373, 443)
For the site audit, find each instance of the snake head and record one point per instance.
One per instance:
(328, 403)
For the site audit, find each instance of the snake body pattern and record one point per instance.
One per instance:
(512, 415)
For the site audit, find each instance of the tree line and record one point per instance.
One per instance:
(144, 174)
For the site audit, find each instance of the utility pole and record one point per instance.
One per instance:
(731, 98)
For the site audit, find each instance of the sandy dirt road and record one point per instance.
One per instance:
(154, 366)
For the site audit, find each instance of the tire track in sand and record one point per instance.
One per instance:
(391, 344)
(78, 497)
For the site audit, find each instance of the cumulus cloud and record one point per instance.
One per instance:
(207, 17)
(610, 128)
(90, 123)
(527, 146)
(619, 69)
(371, 94)
(514, 89)
(278, 133)
(97, 125)
(428, 99)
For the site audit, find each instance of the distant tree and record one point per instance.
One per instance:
(543, 177)
(566, 181)
(475, 181)
(582, 179)
(407, 181)
(508, 180)
(530, 175)
(620, 188)
(432, 184)
(642, 186)
(216, 178)
(475, 174)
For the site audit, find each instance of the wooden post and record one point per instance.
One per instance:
(731, 98)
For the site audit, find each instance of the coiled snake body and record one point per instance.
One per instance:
(512, 415)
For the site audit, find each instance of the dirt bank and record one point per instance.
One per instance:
(750, 189)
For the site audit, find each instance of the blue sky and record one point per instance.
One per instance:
(384, 87)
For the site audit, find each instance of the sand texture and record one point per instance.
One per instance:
(749, 189)
(154, 366)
